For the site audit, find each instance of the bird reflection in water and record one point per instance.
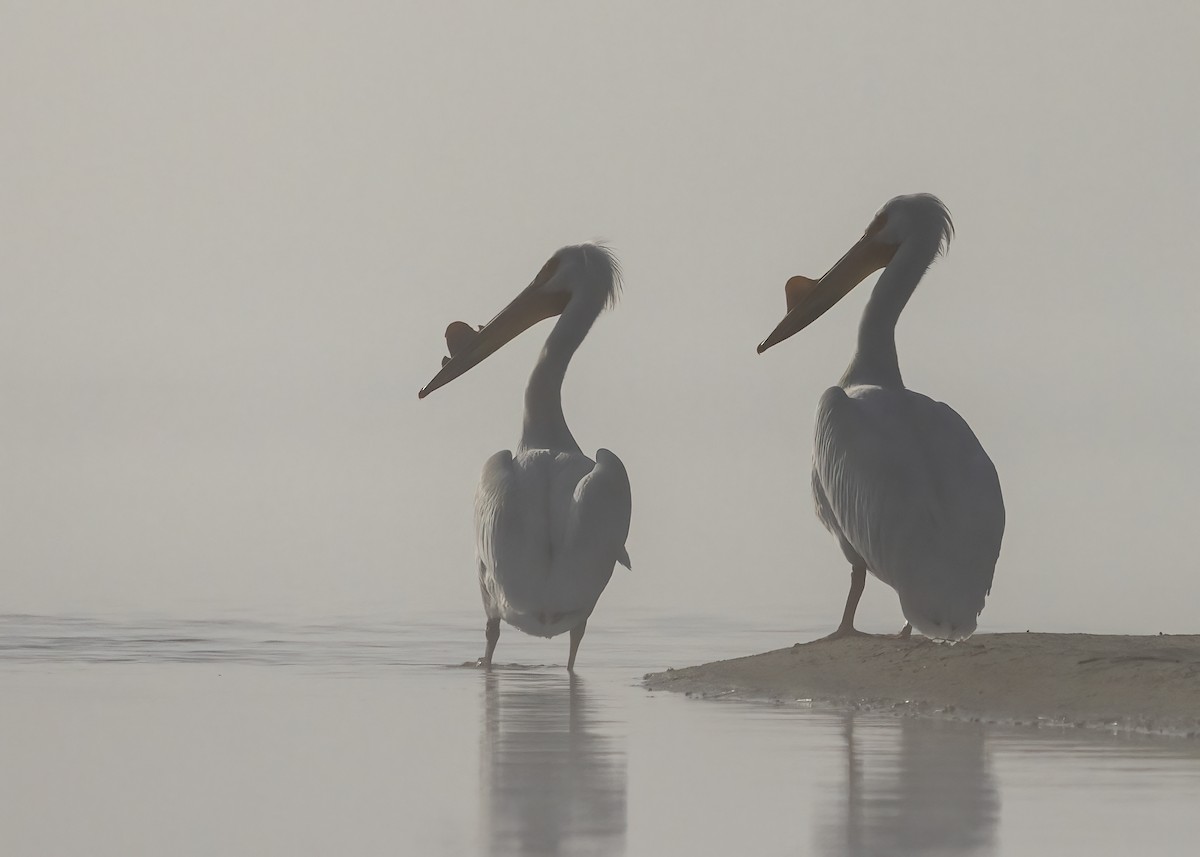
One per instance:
(553, 782)
(932, 795)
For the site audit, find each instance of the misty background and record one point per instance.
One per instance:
(231, 236)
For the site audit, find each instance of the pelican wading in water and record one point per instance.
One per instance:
(898, 478)
(550, 523)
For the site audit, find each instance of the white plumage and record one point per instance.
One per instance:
(549, 528)
(899, 479)
(550, 522)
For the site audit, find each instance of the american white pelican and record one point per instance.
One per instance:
(898, 478)
(550, 523)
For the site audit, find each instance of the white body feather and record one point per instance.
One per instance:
(906, 488)
(550, 527)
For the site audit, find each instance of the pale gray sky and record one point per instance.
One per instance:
(233, 234)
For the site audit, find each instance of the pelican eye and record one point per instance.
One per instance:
(876, 226)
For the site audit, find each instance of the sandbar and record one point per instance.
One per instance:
(1146, 684)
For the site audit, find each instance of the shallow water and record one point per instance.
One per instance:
(360, 736)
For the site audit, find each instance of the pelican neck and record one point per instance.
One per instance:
(875, 360)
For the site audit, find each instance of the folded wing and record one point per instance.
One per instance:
(549, 529)
(914, 493)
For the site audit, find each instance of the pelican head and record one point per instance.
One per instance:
(582, 278)
(917, 219)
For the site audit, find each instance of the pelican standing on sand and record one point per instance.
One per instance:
(898, 478)
(550, 523)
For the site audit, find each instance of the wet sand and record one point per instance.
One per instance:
(1139, 684)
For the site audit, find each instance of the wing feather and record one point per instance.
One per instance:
(549, 529)
(907, 485)
(496, 514)
(603, 507)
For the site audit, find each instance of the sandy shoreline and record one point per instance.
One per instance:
(1141, 684)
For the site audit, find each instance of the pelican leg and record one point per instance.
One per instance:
(576, 637)
(906, 631)
(858, 580)
(491, 633)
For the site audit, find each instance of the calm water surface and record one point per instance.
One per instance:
(123, 736)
